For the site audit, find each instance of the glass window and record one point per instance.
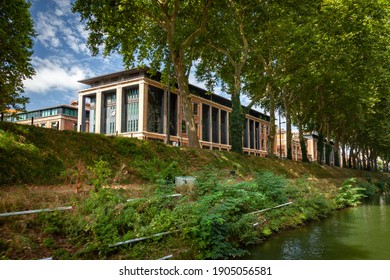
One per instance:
(131, 109)
(183, 127)
(54, 125)
(155, 110)
(196, 105)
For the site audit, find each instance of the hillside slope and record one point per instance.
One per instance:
(37, 156)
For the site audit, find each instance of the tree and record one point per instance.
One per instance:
(16, 33)
(226, 46)
(141, 29)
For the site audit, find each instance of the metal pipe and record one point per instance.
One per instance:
(35, 211)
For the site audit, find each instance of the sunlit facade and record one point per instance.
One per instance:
(133, 103)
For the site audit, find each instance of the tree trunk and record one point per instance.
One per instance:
(271, 136)
(344, 160)
(320, 147)
(288, 132)
(182, 80)
(236, 124)
(302, 142)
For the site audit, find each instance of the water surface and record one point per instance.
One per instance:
(360, 233)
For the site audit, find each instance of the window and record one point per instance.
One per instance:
(54, 125)
(109, 112)
(131, 109)
(224, 127)
(205, 122)
(183, 127)
(196, 105)
(155, 110)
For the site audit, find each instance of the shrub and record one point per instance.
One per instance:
(350, 194)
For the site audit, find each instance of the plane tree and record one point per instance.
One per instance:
(16, 42)
(142, 30)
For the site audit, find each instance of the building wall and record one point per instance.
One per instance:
(55, 118)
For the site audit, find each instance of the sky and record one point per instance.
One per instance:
(61, 57)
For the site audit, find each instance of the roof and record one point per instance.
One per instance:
(122, 73)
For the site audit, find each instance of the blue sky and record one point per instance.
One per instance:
(61, 57)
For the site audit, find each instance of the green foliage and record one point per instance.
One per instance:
(215, 222)
(101, 173)
(350, 194)
(16, 33)
(272, 186)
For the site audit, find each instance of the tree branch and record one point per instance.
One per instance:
(201, 28)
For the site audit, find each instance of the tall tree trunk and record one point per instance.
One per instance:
(288, 135)
(344, 160)
(302, 142)
(271, 137)
(182, 80)
(236, 124)
(320, 147)
(350, 157)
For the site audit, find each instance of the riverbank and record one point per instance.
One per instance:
(97, 175)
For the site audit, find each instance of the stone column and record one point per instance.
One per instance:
(81, 115)
(142, 107)
(99, 107)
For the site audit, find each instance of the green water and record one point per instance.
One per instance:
(361, 233)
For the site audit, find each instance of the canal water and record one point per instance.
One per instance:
(360, 233)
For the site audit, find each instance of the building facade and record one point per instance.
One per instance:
(133, 103)
(311, 141)
(62, 117)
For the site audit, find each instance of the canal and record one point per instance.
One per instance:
(360, 233)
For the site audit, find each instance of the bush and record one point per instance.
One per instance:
(350, 194)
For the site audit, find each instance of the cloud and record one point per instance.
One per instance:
(56, 74)
(58, 27)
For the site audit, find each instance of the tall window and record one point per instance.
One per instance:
(109, 112)
(155, 110)
(205, 122)
(92, 115)
(215, 124)
(131, 109)
(224, 127)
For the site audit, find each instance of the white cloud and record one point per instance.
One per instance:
(56, 74)
(59, 27)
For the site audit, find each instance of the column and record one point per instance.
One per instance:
(99, 105)
(81, 115)
(119, 106)
(142, 106)
(227, 128)
(248, 134)
(219, 125)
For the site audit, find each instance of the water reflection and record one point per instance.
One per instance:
(361, 233)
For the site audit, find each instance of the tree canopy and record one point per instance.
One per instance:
(324, 64)
(16, 33)
(150, 30)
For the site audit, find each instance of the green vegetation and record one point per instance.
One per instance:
(16, 42)
(211, 220)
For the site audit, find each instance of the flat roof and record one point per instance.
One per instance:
(92, 80)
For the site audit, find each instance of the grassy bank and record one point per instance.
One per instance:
(42, 168)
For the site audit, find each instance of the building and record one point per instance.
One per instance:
(133, 103)
(62, 117)
(311, 141)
